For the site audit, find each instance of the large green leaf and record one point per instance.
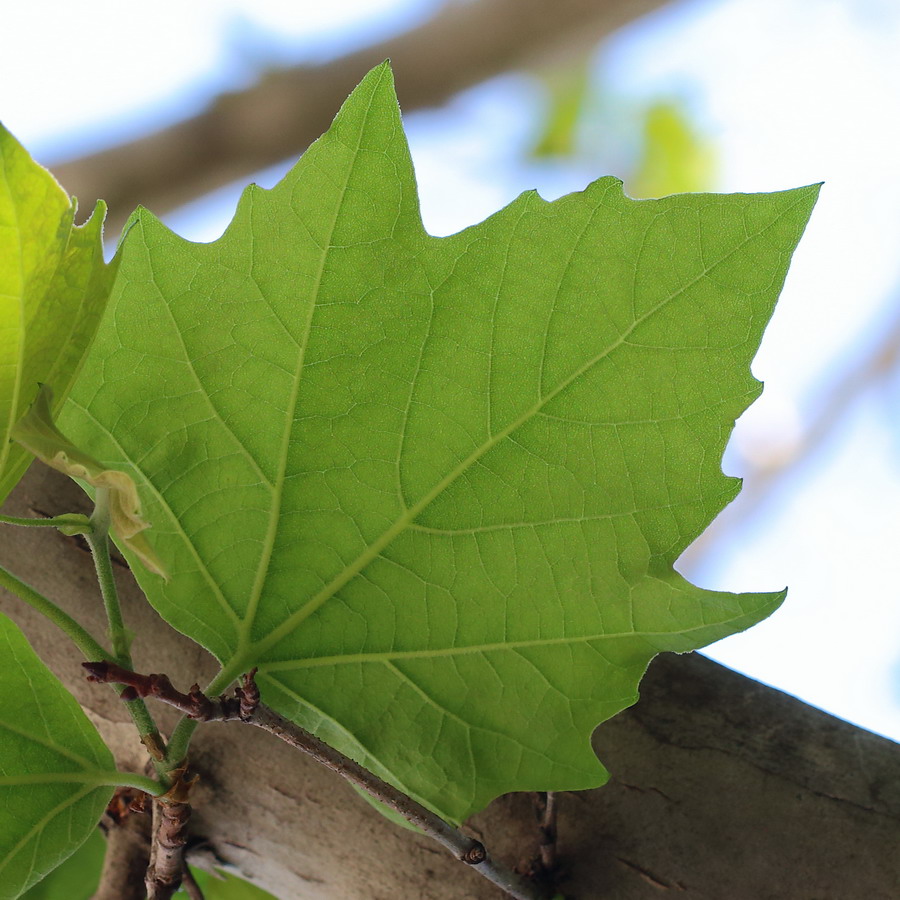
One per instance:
(56, 774)
(53, 289)
(435, 487)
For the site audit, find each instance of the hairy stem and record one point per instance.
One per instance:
(180, 740)
(82, 639)
(67, 521)
(98, 541)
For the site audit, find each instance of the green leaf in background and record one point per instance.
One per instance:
(77, 878)
(675, 156)
(568, 88)
(53, 288)
(228, 887)
(56, 774)
(435, 487)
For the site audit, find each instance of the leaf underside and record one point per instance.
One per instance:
(435, 487)
(53, 289)
(55, 770)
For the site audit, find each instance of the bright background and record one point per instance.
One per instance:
(778, 93)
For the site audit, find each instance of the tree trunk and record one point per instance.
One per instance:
(722, 787)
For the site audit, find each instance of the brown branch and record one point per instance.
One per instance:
(171, 813)
(287, 109)
(194, 704)
(245, 706)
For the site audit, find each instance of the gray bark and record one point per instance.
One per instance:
(279, 116)
(723, 788)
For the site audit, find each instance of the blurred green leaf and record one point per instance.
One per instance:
(568, 91)
(675, 158)
(231, 888)
(56, 774)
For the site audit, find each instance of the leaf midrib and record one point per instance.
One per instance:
(388, 656)
(262, 570)
(258, 648)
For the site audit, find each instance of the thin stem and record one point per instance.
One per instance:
(98, 541)
(141, 782)
(244, 706)
(545, 805)
(179, 741)
(69, 520)
(82, 639)
(90, 649)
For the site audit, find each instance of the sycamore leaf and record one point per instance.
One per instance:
(53, 289)
(56, 774)
(435, 487)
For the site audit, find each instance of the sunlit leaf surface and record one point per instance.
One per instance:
(53, 288)
(435, 487)
(56, 774)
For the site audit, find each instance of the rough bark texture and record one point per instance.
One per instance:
(723, 788)
(287, 109)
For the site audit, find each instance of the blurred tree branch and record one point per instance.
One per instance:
(466, 42)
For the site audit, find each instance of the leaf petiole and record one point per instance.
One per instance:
(69, 523)
(97, 779)
(98, 541)
(82, 639)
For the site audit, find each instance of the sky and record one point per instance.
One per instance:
(787, 92)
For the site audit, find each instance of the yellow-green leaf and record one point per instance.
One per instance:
(53, 288)
(56, 774)
(435, 487)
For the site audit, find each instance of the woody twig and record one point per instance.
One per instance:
(245, 706)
